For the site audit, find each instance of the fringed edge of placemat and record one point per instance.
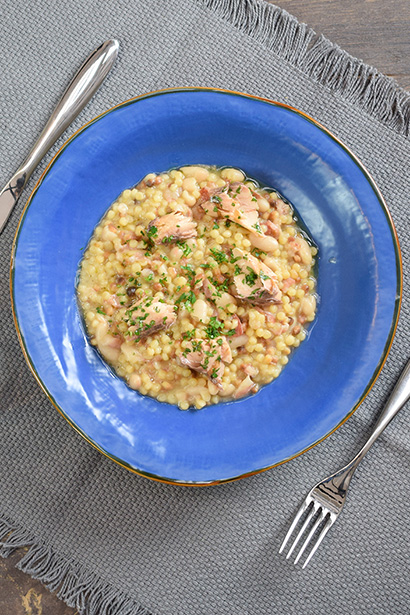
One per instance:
(73, 583)
(320, 59)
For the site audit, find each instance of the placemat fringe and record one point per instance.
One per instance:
(358, 82)
(76, 586)
(267, 23)
(319, 58)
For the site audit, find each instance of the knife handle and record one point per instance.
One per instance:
(80, 90)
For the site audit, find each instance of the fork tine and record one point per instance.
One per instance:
(298, 515)
(321, 536)
(308, 519)
(316, 524)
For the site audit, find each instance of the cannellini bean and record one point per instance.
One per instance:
(189, 199)
(212, 388)
(134, 381)
(109, 352)
(308, 305)
(199, 173)
(189, 184)
(224, 300)
(200, 310)
(130, 352)
(227, 390)
(301, 247)
(175, 253)
(263, 204)
(232, 175)
(272, 262)
(238, 340)
(265, 243)
(101, 328)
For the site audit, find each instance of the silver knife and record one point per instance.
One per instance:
(80, 90)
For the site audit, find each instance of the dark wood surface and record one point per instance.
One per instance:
(378, 32)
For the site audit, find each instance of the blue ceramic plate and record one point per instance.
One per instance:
(359, 282)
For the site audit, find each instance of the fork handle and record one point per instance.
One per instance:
(398, 397)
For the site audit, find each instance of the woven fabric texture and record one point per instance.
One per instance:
(112, 542)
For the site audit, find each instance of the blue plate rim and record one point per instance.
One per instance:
(393, 326)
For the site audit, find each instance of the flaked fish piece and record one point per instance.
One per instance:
(208, 357)
(244, 387)
(171, 227)
(234, 202)
(254, 281)
(148, 316)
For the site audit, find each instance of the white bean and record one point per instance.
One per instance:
(189, 199)
(232, 175)
(263, 204)
(227, 390)
(189, 184)
(200, 310)
(308, 305)
(134, 381)
(212, 388)
(129, 350)
(238, 340)
(199, 173)
(224, 300)
(272, 262)
(176, 253)
(108, 346)
(264, 242)
(302, 247)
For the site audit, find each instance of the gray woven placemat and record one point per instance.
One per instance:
(114, 543)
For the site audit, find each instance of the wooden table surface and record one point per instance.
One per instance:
(378, 32)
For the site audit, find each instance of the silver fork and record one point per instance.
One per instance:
(325, 501)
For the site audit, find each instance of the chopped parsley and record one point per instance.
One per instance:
(251, 277)
(99, 310)
(186, 299)
(190, 271)
(188, 335)
(184, 247)
(214, 327)
(258, 253)
(152, 231)
(219, 255)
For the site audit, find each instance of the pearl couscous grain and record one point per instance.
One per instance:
(197, 284)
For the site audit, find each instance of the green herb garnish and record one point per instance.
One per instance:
(214, 327)
(219, 255)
